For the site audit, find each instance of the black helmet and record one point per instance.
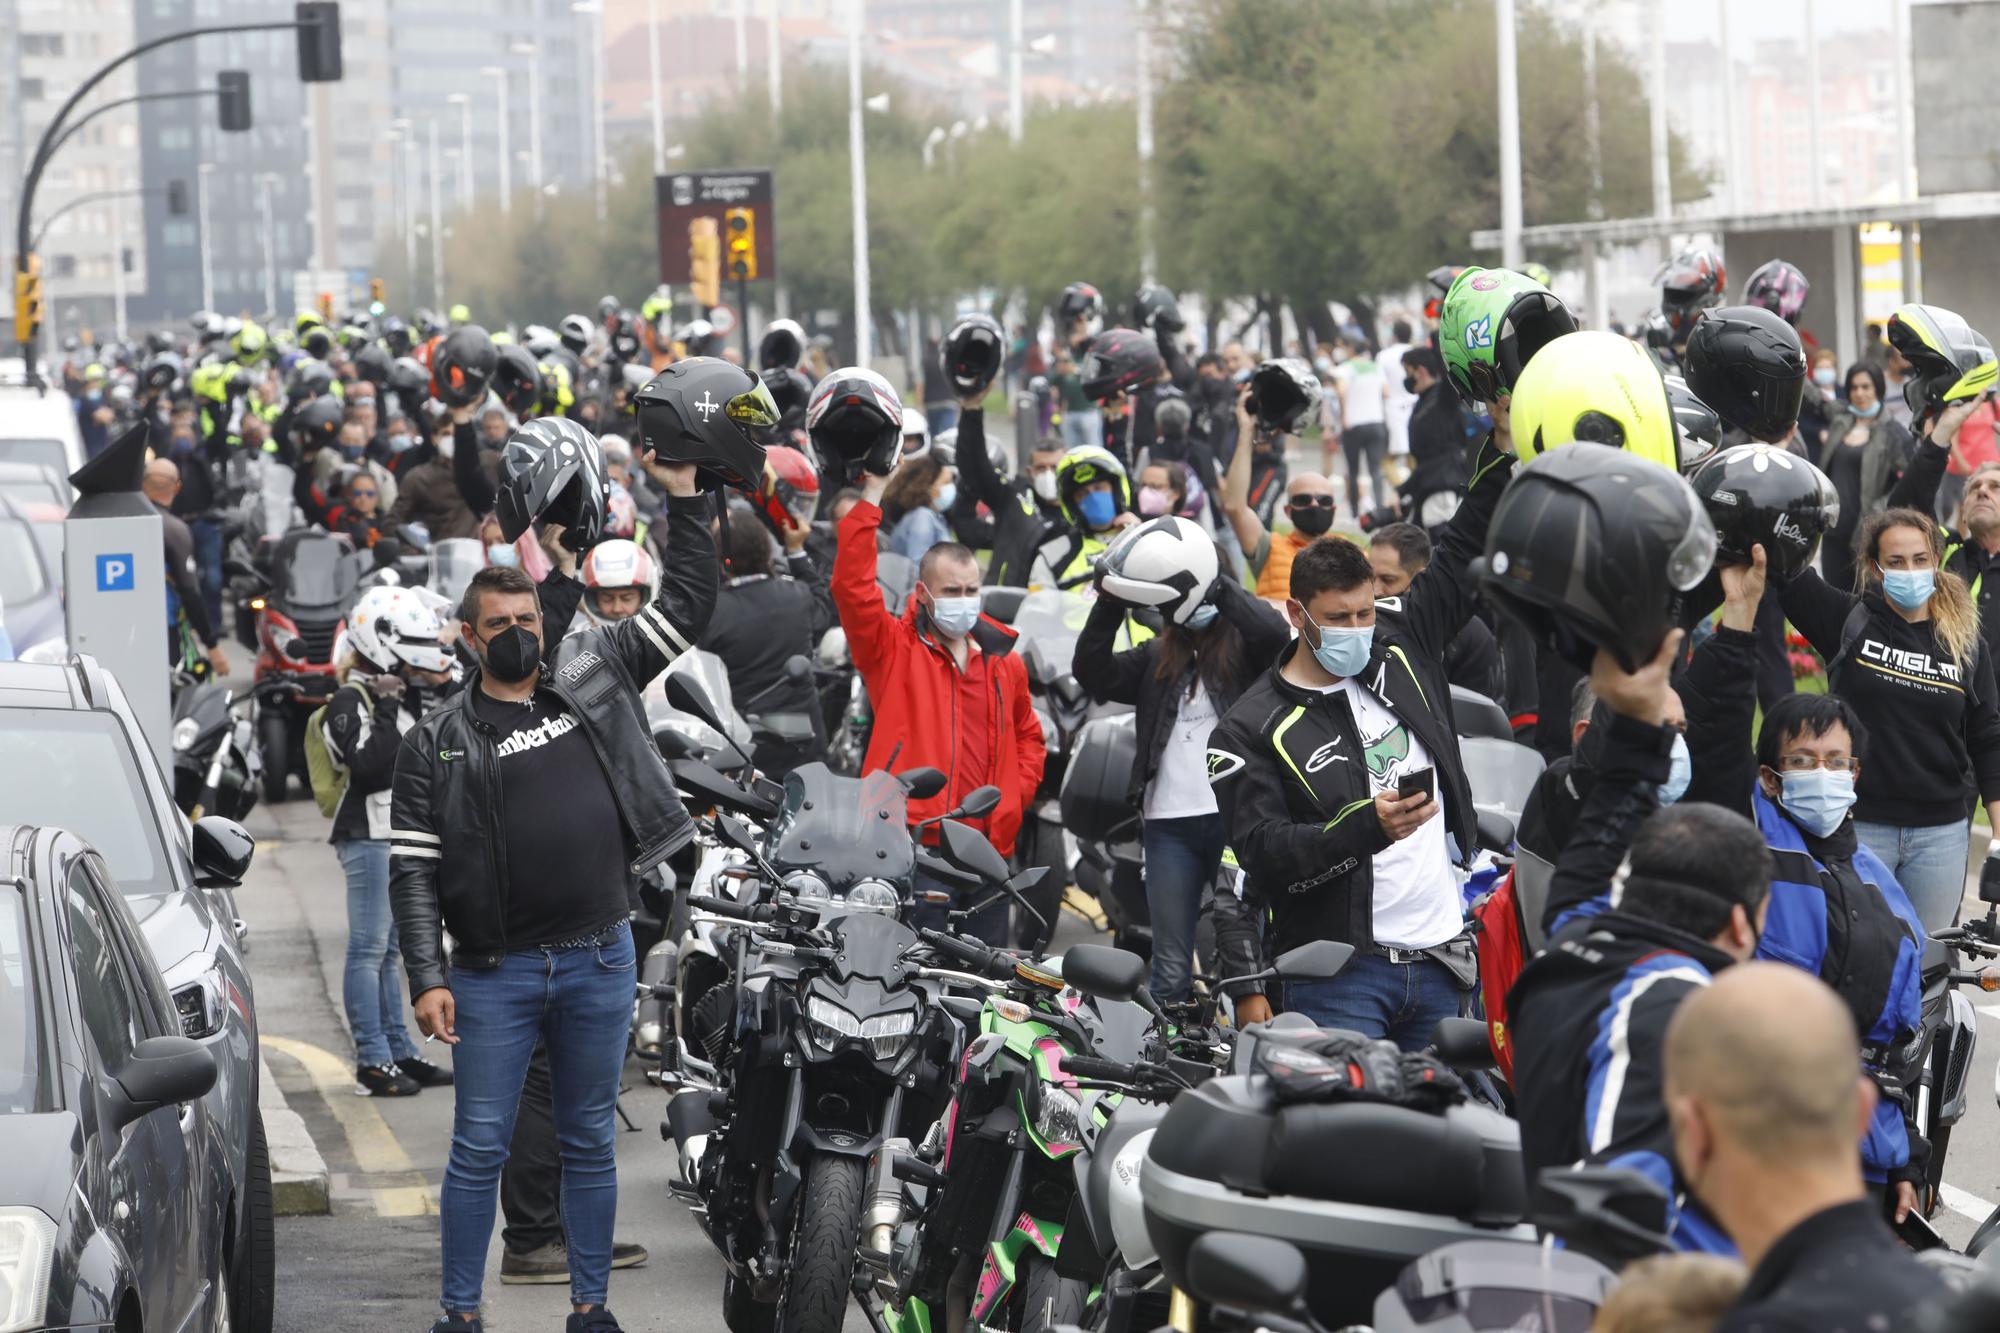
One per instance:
(1691, 282)
(1700, 429)
(462, 366)
(317, 342)
(1080, 301)
(625, 346)
(790, 390)
(856, 417)
(702, 411)
(552, 471)
(1747, 364)
(1780, 288)
(159, 340)
(431, 323)
(396, 336)
(317, 423)
(309, 379)
(516, 378)
(162, 371)
(411, 384)
(1763, 495)
(1155, 307)
(973, 352)
(1589, 547)
(1952, 359)
(1284, 395)
(371, 362)
(1118, 361)
(782, 347)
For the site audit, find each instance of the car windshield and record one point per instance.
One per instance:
(22, 578)
(46, 453)
(22, 1087)
(76, 771)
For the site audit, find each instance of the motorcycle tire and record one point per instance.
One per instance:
(741, 1312)
(1049, 1300)
(1041, 845)
(820, 1268)
(274, 736)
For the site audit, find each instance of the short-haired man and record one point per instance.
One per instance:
(1975, 557)
(1309, 503)
(1332, 771)
(1023, 508)
(1766, 1107)
(521, 807)
(1401, 551)
(949, 691)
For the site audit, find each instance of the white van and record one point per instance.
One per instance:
(37, 425)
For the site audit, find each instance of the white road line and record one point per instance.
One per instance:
(1965, 1204)
(1990, 1010)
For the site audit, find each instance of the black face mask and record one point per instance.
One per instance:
(512, 655)
(1314, 521)
(1409, 384)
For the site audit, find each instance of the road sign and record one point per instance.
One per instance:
(682, 197)
(723, 320)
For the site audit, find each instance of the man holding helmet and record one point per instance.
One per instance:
(538, 902)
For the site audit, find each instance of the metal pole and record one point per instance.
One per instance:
(1143, 72)
(602, 168)
(653, 65)
(316, 188)
(270, 248)
(743, 317)
(1014, 72)
(465, 153)
(409, 151)
(857, 160)
(201, 220)
(437, 227)
(535, 127)
(1816, 165)
(1732, 181)
(1592, 137)
(1510, 135)
(506, 145)
(774, 73)
(1663, 185)
(1906, 154)
(742, 46)
(118, 266)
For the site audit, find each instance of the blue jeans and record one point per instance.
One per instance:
(940, 417)
(1377, 998)
(1081, 427)
(207, 534)
(580, 1002)
(372, 988)
(1928, 862)
(1182, 856)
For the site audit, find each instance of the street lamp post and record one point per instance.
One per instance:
(1510, 134)
(118, 265)
(201, 220)
(593, 13)
(1014, 72)
(534, 54)
(265, 180)
(463, 101)
(857, 157)
(437, 227)
(653, 68)
(498, 74)
(773, 61)
(1143, 72)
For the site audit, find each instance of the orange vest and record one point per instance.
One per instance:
(1275, 579)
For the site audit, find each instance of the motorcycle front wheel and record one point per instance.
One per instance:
(1048, 1299)
(821, 1264)
(274, 737)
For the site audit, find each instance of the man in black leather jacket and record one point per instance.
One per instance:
(520, 808)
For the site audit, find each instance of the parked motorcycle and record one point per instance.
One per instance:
(217, 763)
(1933, 1070)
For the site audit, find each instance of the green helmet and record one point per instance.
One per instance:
(1539, 272)
(1493, 320)
(249, 343)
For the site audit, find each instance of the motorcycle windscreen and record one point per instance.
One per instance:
(320, 574)
(843, 829)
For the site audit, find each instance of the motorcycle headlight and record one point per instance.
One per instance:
(829, 1023)
(1057, 1120)
(27, 1254)
(806, 884)
(198, 999)
(886, 1033)
(874, 895)
(184, 733)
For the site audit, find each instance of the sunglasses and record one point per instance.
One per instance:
(365, 495)
(1310, 502)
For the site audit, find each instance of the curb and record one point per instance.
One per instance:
(298, 1172)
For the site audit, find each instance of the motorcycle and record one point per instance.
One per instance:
(217, 764)
(1933, 1069)
(1096, 808)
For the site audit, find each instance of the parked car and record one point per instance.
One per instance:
(116, 1199)
(37, 425)
(72, 756)
(30, 582)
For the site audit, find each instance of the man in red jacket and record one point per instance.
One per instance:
(948, 691)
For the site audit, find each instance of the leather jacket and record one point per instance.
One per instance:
(447, 849)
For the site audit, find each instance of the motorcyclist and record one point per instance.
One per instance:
(618, 579)
(1690, 282)
(1096, 498)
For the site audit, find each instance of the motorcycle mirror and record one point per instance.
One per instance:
(1256, 1273)
(296, 650)
(686, 694)
(734, 834)
(978, 803)
(1496, 831)
(983, 1050)
(675, 744)
(798, 667)
(922, 783)
(1989, 888)
(965, 848)
(1103, 972)
(1611, 1214)
(1318, 961)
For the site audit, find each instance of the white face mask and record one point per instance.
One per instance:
(444, 447)
(1045, 486)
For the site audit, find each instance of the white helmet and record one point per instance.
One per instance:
(575, 332)
(1166, 563)
(616, 564)
(392, 627)
(917, 424)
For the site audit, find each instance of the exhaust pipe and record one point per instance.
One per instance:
(689, 1123)
(884, 1207)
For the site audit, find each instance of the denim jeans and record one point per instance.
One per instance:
(1378, 998)
(940, 417)
(1928, 862)
(580, 1002)
(1182, 856)
(1082, 426)
(372, 987)
(207, 534)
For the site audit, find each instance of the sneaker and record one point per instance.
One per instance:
(544, 1266)
(624, 1254)
(600, 1320)
(450, 1325)
(426, 1074)
(384, 1081)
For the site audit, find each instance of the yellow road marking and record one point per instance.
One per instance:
(376, 1149)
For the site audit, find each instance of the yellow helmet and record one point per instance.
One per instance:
(1596, 387)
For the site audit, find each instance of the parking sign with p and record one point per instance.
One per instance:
(114, 573)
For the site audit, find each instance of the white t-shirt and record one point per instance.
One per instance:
(1416, 893)
(1180, 787)
(1360, 391)
(1401, 402)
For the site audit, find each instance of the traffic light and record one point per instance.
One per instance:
(742, 224)
(28, 299)
(319, 40)
(705, 261)
(326, 307)
(375, 291)
(177, 198)
(232, 100)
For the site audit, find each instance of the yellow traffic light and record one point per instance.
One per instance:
(374, 289)
(28, 299)
(742, 224)
(705, 261)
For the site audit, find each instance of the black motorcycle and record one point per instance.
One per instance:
(217, 761)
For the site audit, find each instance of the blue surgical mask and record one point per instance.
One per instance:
(1679, 775)
(1824, 377)
(1909, 589)
(1818, 799)
(1203, 616)
(946, 497)
(352, 452)
(955, 615)
(1343, 650)
(1872, 410)
(1098, 509)
(399, 443)
(502, 553)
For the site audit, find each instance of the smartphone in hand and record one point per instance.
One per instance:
(1416, 782)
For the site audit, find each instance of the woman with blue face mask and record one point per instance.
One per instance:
(920, 495)
(1907, 656)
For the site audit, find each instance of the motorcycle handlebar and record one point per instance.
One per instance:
(966, 951)
(1102, 1071)
(724, 907)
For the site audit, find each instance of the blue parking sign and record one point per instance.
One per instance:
(114, 573)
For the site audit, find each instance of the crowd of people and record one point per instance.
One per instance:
(1605, 534)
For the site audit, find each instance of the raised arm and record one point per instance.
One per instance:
(1721, 712)
(689, 577)
(1235, 492)
(1439, 600)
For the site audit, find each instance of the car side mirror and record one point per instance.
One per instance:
(161, 1071)
(1255, 1273)
(1319, 961)
(1104, 973)
(221, 852)
(922, 783)
(966, 848)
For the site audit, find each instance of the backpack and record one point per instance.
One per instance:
(1503, 952)
(328, 776)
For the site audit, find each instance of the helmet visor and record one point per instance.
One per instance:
(1689, 562)
(753, 407)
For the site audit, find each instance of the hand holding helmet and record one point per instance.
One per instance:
(1165, 564)
(1953, 361)
(1742, 592)
(973, 353)
(1283, 396)
(696, 421)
